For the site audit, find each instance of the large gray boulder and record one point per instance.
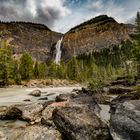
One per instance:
(80, 123)
(125, 121)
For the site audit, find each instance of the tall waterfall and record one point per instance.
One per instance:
(58, 51)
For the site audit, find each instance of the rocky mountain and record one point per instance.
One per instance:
(40, 41)
(95, 34)
(37, 39)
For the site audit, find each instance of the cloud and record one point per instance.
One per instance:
(61, 15)
(42, 11)
(95, 5)
(122, 11)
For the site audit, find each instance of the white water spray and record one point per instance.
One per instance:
(58, 51)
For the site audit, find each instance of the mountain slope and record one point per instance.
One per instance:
(37, 39)
(95, 34)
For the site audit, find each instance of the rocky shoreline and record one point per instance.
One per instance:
(40, 83)
(79, 115)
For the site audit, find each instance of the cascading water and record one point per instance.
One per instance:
(58, 51)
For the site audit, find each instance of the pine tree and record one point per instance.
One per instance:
(73, 69)
(36, 70)
(5, 63)
(136, 51)
(26, 66)
(43, 70)
(52, 70)
(16, 73)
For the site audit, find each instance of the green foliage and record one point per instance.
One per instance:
(73, 69)
(16, 73)
(52, 70)
(5, 63)
(43, 70)
(136, 50)
(26, 66)
(36, 70)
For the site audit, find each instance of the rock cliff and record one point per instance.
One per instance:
(37, 39)
(95, 34)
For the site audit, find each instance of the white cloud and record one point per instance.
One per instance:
(61, 15)
(96, 5)
(40, 11)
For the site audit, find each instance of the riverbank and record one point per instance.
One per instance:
(71, 113)
(44, 83)
(16, 95)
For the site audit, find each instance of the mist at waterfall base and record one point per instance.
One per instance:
(58, 51)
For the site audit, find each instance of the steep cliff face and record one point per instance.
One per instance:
(36, 39)
(95, 34)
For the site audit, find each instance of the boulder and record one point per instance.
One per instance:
(39, 132)
(33, 132)
(35, 93)
(47, 116)
(27, 100)
(119, 90)
(85, 100)
(27, 112)
(122, 99)
(80, 123)
(101, 98)
(123, 82)
(64, 97)
(47, 113)
(125, 121)
(11, 113)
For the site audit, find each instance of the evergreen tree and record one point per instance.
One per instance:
(52, 70)
(5, 63)
(60, 71)
(16, 73)
(43, 70)
(36, 70)
(73, 69)
(136, 51)
(26, 66)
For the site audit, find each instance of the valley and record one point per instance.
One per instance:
(80, 85)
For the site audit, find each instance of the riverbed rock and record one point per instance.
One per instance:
(47, 113)
(101, 98)
(33, 132)
(39, 132)
(44, 98)
(125, 121)
(11, 113)
(123, 98)
(65, 97)
(35, 93)
(31, 112)
(80, 123)
(119, 90)
(28, 112)
(27, 100)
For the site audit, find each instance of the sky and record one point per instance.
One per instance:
(61, 15)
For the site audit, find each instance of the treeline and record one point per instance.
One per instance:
(35, 25)
(94, 68)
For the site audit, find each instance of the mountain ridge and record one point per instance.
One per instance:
(37, 39)
(95, 34)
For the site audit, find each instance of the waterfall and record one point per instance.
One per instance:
(58, 51)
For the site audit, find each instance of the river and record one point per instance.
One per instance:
(11, 96)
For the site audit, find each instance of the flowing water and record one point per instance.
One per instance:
(58, 51)
(11, 96)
